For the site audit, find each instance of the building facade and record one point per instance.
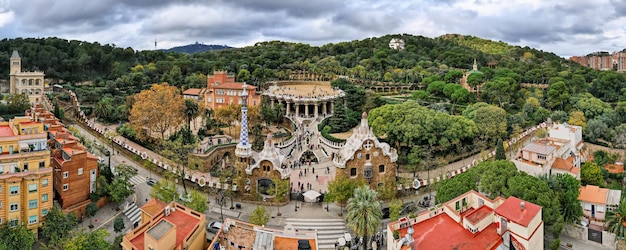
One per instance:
(235, 235)
(30, 84)
(167, 226)
(222, 90)
(603, 60)
(75, 168)
(25, 173)
(363, 157)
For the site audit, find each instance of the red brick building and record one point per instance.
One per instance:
(75, 169)
(222, 90)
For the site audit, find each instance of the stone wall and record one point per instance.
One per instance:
(376, 158)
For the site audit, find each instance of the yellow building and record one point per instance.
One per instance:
(25, 173)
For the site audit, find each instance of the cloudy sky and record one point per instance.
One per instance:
(565, 27)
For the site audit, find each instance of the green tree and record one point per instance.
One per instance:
(500, 154)
(364, 214)
(198, 201)
(57, 225)
(119, 190)
(591, 174)
(192, 110)
(395, 206)
(340, 190)
(557, 95)
(125, 171)
(566, 188)
(105, 109)
(259, 216)
(86, 240)
(177, 153)
(90, 211)
(164, 190)
(118, 225)
(17, 103)
(616, 220)
(279, 189)
(16, 238)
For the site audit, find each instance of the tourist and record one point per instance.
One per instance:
(316, 177)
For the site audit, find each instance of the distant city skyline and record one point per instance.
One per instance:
(565, 28)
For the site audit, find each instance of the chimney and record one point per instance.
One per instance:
(522, 205)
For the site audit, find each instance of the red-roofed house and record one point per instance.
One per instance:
(194, 94)
(236, 235)
(471, 221)
(222, 90)
(596, 201)
(173, 226)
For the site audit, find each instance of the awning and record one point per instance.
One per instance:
(24, 145)
(311, 195)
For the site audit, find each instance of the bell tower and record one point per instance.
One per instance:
(15, 67)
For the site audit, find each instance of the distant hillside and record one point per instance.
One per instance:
(197, 48)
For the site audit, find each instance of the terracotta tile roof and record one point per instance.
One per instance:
(561, 163)
(153, 207)
(614, 168)
(436, 232)
(283, 243)
(192, 91)
(511, 209)
(593, 194)
(575, 171)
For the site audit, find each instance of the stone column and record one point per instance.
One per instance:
(306, 110)
(297, 110)
(272, 102)
(324, 110)
(288, 108)
(331, 107)
(315, 109)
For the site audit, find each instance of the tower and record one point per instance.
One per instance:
(244, 149)
(475, 66)
(15, 68)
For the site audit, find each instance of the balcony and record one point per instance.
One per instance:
(23, 174)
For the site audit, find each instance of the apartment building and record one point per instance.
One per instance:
(167, 226)
(222, 90)
(75, 168)
(25, 173)
(603, 60)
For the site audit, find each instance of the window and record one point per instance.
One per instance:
(32, 219)
(44, 212)
(14, 190)
(209, 99)
(14, 207)
(66, 187)
(367, 157)
(13, 223)
(542, 157)
(381, 168)
(219, 100)
(66, 175)
(26, 166)
(353, 172)
(32, 204)
(219, 92)
(0, 149)
(44, 198)
(42, 164)
(32, 187)
(44, 182)
(80, 171)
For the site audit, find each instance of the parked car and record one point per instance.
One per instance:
(106, 152)
(385, 213)
(100, 159)
(214, 226)
(151, 182)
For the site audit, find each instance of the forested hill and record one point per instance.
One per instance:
(369, 58)
(197, 48)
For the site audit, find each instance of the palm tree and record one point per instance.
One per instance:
(364, 214)
(192, 110)
(616, 220)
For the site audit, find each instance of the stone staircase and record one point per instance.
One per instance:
(328, 230)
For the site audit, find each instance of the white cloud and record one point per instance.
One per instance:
(566, 27)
